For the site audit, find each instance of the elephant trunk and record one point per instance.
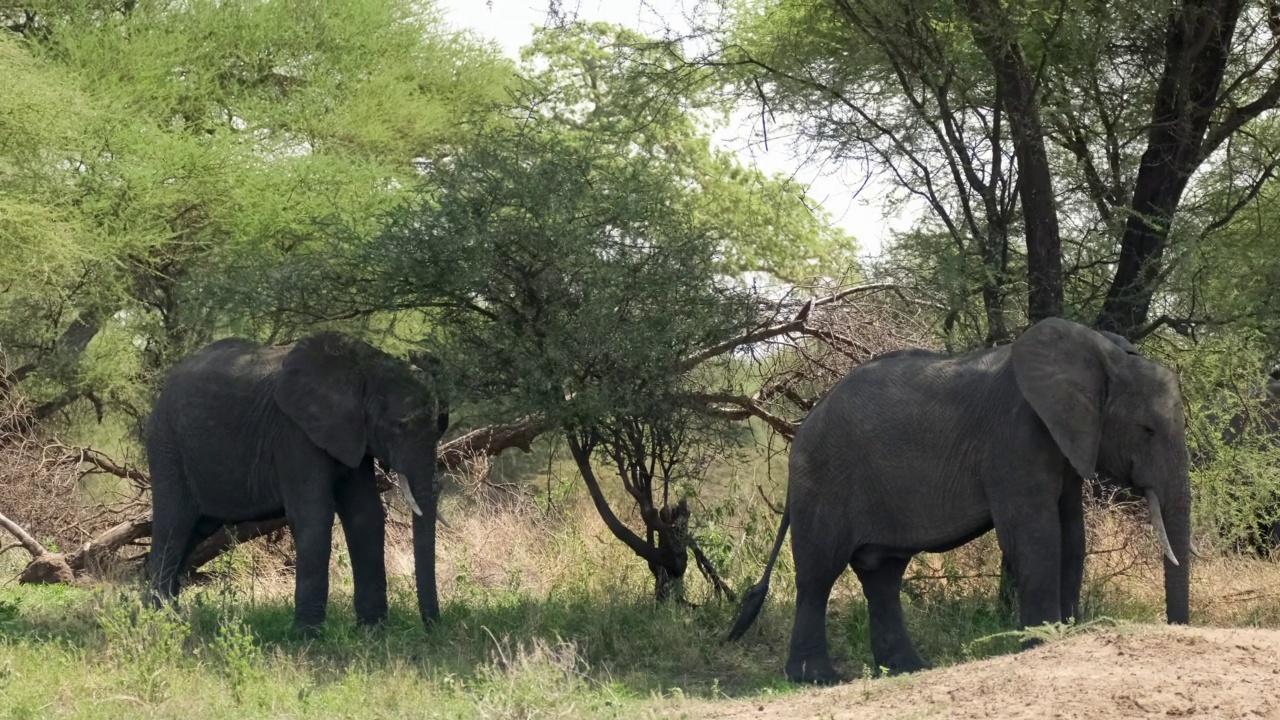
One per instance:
(1174, 514)
(424, 546)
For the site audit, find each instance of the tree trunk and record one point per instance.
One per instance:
(1197, 43)
(673, 551)
(996, 36)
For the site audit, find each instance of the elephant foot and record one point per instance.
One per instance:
(902, 665)
(371, 620)
(308, 628)
(814, 672)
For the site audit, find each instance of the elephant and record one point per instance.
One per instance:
(1007, 592)
(915, 451)
(245, 432)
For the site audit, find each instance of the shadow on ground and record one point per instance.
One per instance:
(632, 645)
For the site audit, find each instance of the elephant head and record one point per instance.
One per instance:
(353, 400)
(1117, 413)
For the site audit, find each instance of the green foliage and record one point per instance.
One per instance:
(238, 655)
(1233, 276)
(161, 147)
(555, 267)
(627, 94)
(1236, 485)
(143, 643)
(903, 90)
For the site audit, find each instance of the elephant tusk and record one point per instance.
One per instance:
(403, 482)
(1195, 552)
(1157, 524)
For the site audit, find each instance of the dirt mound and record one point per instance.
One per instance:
(1138, 672)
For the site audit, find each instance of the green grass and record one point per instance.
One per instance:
(540, 619)
(68, 652)
(95, 653)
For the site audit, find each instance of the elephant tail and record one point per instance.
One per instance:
(753, 601)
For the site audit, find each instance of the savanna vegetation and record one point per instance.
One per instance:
(632, 321)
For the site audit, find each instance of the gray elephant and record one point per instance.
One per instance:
(919, 452)
(243, 432)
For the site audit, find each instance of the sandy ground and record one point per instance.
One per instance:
(1139, 672)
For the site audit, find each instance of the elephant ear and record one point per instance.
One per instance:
(320, 388)
(1062, 369)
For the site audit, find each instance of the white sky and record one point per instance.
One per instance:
(510, 23)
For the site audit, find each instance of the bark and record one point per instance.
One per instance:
(93, 554)
(1197, 44)
(995, 36)
(45, 567)
(619, 529)
(666, 551)
(24, 538)
(491, 440)
(671, 540)
(231, 535)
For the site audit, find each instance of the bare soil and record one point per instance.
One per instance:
(1126, 672)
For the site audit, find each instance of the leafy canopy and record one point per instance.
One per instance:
(154, 149)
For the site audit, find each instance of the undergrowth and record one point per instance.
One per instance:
(541, 617)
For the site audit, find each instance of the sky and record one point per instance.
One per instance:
(851, 201)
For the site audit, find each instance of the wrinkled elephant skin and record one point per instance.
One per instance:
(918, 452)
(242, 432)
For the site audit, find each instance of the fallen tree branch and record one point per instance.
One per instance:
(90, 554)
(45, 567)
(32, 545)
(491, 440)
(228, 536)
(452, 455)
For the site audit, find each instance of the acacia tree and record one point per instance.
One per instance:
(583, 264)
(151, 149)
(1100, 113)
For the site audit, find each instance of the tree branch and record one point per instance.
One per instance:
(491, 440)
(796, 324)
(748, 407)
(31, 545)
(611, 521)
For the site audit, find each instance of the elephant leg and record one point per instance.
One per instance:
(204, 529)
(173, 532)
(364, 526)
(1007, 592)
(1071, 516)
(890, 644)
(809, 662)
(311, 521)
(1033, 541)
